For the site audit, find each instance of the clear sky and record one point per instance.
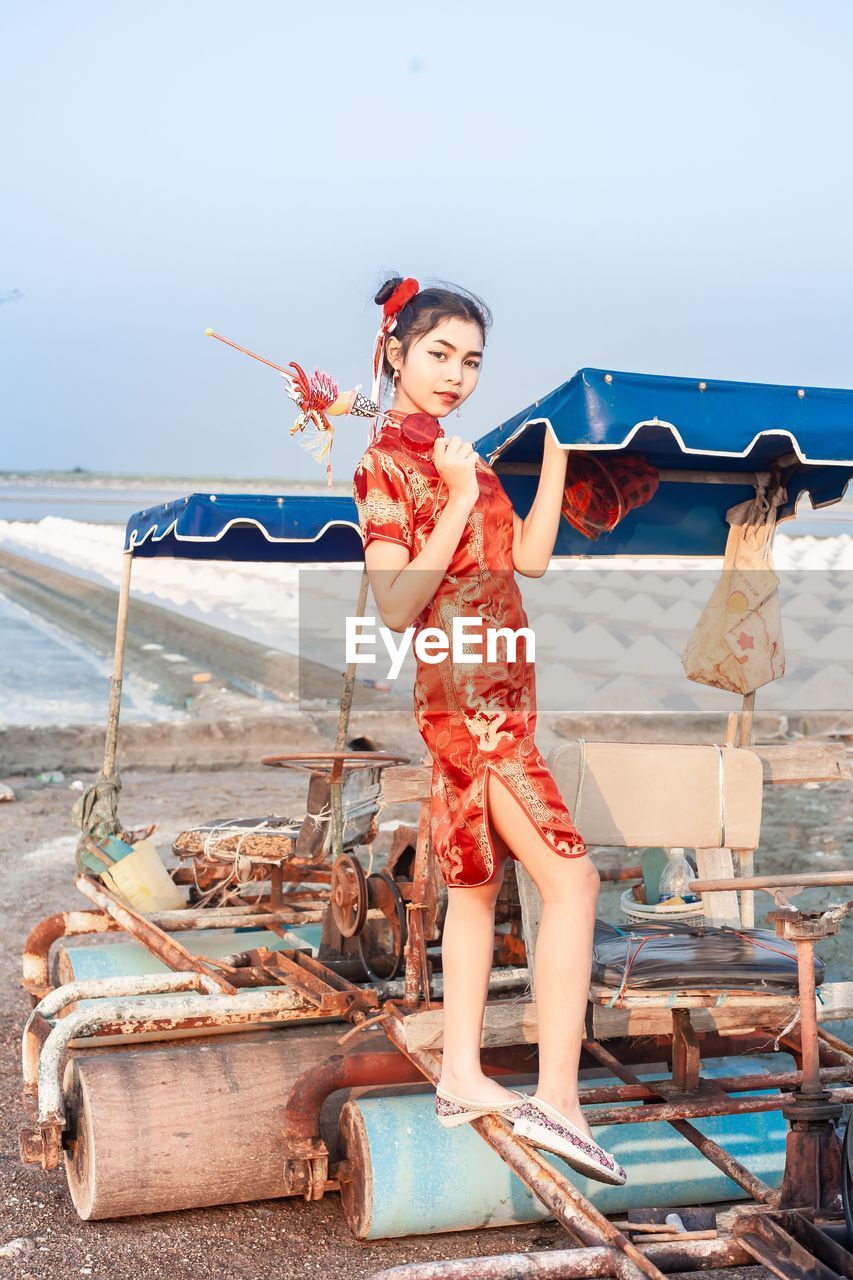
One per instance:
(660, 187)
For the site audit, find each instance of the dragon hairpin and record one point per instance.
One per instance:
(318, 399)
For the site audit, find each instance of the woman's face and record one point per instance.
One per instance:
(441, 368)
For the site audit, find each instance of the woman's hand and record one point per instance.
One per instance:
(455, 461)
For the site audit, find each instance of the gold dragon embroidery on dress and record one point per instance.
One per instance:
(488, 716)
(512, 770)
(475, 523)
(389, 464)
(376, 460)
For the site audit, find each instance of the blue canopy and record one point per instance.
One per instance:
(678, 424)
(229, 526)
(682, 424)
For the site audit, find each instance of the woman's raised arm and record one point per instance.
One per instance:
(534, 537)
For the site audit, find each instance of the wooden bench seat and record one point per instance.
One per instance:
(509, 1022)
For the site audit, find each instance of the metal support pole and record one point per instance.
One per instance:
(417, 965)
(155, 940)
(746, 860)
(336, 783)
(575, 1264)
(808, 1018)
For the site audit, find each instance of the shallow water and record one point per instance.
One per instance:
(113, 499)
(46, 678)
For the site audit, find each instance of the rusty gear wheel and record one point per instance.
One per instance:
(382, 946)
(348, 895)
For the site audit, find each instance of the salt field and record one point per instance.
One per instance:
(609, 631)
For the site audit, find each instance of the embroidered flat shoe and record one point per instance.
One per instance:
(451, 1110)
(543, 1126)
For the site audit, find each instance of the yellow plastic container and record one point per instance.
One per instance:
(143, 882)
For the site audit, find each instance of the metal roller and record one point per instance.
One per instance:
(402, 1174)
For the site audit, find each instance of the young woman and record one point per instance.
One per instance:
(441, 542)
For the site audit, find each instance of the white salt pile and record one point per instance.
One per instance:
(560, 689)
(626, 693)
(647, 656)
(682, 615)
(595, 642)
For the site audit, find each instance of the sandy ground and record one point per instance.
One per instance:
(40, 1234)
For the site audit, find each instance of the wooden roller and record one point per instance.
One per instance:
(182, 1125)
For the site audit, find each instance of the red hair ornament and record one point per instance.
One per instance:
(404, 293)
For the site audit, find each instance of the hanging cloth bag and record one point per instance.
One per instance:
(737, 642)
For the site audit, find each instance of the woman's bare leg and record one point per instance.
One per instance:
(467, 947)
(569, 891)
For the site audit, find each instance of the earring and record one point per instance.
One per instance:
(396, 375)
(459, 413)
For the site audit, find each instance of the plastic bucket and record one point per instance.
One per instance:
(143, 882)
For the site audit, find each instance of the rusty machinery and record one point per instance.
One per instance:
(375, 925)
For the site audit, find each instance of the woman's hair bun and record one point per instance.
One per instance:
(387, 289)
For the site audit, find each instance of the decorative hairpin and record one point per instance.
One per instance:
(317, 399)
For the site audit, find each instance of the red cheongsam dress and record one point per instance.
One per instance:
(474, 717)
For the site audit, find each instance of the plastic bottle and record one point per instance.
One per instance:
(675, 878)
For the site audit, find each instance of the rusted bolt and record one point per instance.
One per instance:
(30, 1145)
(41, 1146)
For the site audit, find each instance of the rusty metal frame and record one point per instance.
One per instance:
(309, 987)
(576, 1264)
(130, 1013)
(157, 941)
(72, 924)
(811, 1106)
(586, 1224)
(791, 1246)
(204, 995)
(35, 977)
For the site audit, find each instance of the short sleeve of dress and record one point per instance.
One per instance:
(384, 499)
